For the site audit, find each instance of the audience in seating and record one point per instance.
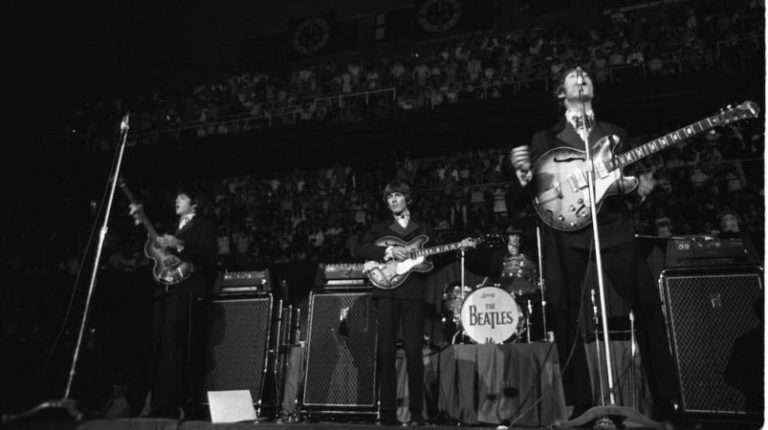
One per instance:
(659, 40)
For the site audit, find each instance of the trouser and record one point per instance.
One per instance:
(626, 270)
(392, 314)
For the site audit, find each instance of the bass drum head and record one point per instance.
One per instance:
(490, 315)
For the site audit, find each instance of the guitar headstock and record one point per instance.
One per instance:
(137, 212)
(745, 110)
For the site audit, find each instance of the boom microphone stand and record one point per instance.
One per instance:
(601, 413)
(68, 404)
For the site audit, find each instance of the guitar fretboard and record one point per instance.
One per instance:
(744, 110)
(426, 252)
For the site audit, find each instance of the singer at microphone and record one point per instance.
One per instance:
(567, 253)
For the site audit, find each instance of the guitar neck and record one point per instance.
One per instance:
(636, 154)
(148, 225)
(426, 252)
(140, 215)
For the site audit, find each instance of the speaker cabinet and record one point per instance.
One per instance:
(341, 353)
(715, 321)
(238, 345)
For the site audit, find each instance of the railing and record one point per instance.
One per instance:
(289, 111)
(242, 122)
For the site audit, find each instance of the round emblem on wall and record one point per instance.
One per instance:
(439, 15)
(311, 35)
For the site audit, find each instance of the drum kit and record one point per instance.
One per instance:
(499, 311)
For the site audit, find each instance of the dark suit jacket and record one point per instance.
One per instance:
(614, 218)
(200, 249)
(413, 287)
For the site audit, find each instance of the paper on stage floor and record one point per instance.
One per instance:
(231, 406)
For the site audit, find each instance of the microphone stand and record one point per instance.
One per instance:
(601, 413)
(542, 287)
(70, 405)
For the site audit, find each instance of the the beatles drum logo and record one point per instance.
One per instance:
(490, 315)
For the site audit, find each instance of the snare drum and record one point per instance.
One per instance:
(491, 315)
(518, 275)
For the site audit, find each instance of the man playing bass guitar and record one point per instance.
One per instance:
(568, 248)
(179, 324)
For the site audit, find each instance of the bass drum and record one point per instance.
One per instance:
(491, 315)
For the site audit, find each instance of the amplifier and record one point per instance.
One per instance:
(250, 281)
(715, 320)
(344, 276)
(699, 251)
(343, 271)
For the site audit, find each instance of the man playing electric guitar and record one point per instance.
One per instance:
(566, 253)
(403, 305)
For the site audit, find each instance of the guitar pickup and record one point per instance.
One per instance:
(578, 181)
(550, 194)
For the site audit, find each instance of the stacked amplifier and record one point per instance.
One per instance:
(713, 301)
(249, 332)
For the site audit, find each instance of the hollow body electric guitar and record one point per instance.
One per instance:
(391, 274)
(561, 188)
(168, 269)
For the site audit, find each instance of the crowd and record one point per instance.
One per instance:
(659, 40)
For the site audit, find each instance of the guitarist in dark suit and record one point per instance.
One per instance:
(179, 313)
(566, 255)
(399, 307)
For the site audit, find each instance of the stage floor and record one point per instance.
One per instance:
(51, 423)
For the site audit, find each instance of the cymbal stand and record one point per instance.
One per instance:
(457, 315)
(528, 321)
(68, 404)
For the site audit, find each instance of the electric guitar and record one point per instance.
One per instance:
(391, 274)
(560, 179)
(168, 269)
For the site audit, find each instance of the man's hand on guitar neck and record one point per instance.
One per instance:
(134, 210)
(646, 185)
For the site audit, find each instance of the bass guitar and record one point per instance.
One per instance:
(391, 274)
(561, 188)
(168, 269)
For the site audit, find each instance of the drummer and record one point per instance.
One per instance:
(519, 273)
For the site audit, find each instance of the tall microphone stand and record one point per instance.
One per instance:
(601, 413)
(70, 405)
